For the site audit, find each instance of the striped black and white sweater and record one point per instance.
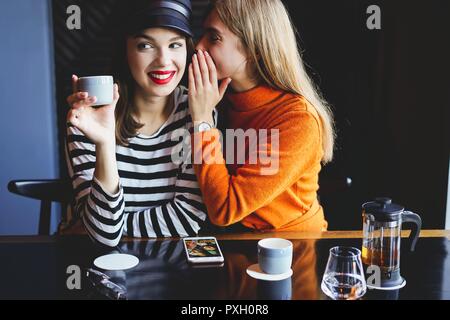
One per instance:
(156, 198)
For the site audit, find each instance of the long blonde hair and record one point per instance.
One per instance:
(266, 31)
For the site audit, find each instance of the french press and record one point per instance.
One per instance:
(382, 223)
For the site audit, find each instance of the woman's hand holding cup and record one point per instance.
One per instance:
(97, 124)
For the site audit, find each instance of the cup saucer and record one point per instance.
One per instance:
(116, 261)
(255, 271)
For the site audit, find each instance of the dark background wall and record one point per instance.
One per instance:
(390, 93)
(389, 89)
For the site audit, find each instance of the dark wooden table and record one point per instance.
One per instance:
(36, 268)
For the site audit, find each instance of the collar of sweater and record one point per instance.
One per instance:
(254, 98)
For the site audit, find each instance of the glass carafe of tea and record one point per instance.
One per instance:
(382, 224)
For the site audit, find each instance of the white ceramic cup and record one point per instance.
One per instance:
(275, 255)
(101, 87)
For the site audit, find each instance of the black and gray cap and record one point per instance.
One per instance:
(174, 14)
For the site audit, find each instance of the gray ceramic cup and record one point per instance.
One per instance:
(275, 255)
(101, 87)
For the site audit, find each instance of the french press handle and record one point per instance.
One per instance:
(408, 216)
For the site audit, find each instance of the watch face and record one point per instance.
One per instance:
(203, 127)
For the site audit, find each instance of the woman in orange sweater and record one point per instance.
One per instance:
(251, 44)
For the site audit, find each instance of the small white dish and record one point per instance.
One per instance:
(255, 271)
(116, 261)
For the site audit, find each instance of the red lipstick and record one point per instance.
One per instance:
(161, 77)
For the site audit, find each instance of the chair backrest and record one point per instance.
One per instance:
(47, 191)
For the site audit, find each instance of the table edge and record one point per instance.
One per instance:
(348, 234)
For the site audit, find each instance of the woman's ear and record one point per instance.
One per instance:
(250, 54)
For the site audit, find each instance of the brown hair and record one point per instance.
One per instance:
(126, 126)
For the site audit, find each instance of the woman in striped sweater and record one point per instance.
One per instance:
(120, 156)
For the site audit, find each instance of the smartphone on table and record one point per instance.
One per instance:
(202, 250)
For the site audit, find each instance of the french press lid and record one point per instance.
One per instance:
(383, 209)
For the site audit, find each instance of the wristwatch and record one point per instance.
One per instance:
(202, 126)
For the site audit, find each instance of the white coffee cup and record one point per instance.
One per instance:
(275, 255)
(102, 87)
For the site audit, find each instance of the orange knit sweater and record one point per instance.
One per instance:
(285, 200)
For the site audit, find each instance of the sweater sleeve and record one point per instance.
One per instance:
(102, 213)
(294, 145)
